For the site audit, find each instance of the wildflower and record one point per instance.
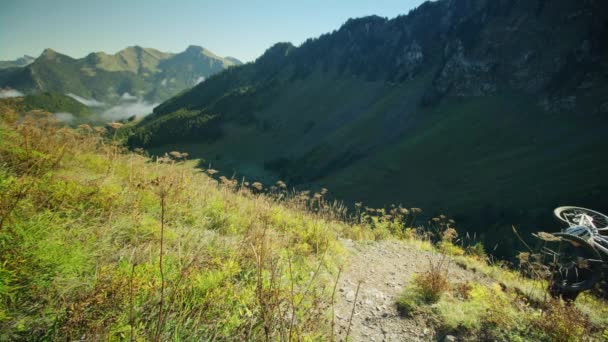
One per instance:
(450, 234)
(227, 182)
(258, 186)
(175, 155)
(523, 257)
(164, 159)
(115, 125)
(85, 127)
(99, 130)
(211, 172)
(547, 236)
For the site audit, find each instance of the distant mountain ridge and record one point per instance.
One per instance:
(19, 62)
(489, 110)
(145, 73)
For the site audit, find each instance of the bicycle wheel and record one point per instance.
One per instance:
(573, 216)
(577, 265)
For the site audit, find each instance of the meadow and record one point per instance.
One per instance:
(101, 243)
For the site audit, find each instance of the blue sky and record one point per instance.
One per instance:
(239, 28)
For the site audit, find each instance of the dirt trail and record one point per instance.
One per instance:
(384, 268)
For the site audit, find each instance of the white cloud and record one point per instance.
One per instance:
(128, 106)
(128, 97)
(6, 93)
(126, 110)
(199, 80)
(90, 103)
(64, 117)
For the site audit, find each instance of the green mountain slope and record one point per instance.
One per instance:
(491, 111)
(50, 102)
(135, 71)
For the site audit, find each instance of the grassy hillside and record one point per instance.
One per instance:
(104, 244)
(83, 226)
(134, 59)
(50, 102)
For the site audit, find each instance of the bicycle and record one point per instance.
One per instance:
(581, 259)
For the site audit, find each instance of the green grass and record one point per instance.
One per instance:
(81, 243)
(81, 231)
(502, 305)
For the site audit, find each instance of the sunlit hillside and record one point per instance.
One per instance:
(397, 170)
(101, 243)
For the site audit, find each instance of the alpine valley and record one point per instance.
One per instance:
(418, 178)
(491, 111)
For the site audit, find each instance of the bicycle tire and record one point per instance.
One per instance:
(568, 214)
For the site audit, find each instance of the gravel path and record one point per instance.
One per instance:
(384, 268)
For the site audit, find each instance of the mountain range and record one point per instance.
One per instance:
(490, 111)
(135, 72)
(19, 62)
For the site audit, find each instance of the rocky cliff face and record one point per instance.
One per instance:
(551, 49)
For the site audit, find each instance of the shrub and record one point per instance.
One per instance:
(449, 248)
(434, 281)
(563, 322)
(477, 250)
(427, 287)
(481, 310)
